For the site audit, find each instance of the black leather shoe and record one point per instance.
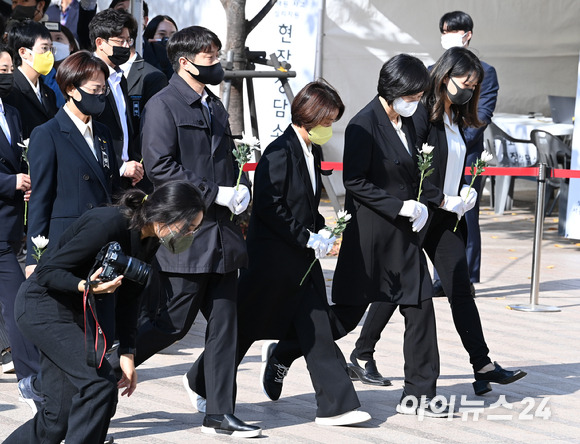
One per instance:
(369, 375)
(272, 373)
(438, 289)
(482, 385)
(427, 407)
(229, 425)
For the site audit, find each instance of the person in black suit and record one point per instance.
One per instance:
(32, 46)
(14, 190)
(186, 135)
(273, 303)
(380, 257)
(109, 34)
(450, 106)
(456, 30)
(54, 309)
(73, 167)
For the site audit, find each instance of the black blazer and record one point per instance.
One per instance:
(112, 120)
(24, 99)
(380, 257)
(178, 144)
(11, 164)
(66, 178)
(284, 209)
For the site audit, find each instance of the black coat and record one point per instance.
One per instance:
(380, 257)
(24, 99)
(178, 144)
(284, 209)
(66, 178)
(11, 164)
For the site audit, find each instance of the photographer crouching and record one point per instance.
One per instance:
(105, 250)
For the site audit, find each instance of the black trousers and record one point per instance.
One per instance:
(24, 354)
(446, 250)
(185, 295)
(420, 349)
(79, 400)
(311, 336)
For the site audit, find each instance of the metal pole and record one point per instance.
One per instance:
(228, 81)
(537, 250)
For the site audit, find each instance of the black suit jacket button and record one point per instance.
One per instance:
(401, 186)
(397, 162)
(90, 206)
(202, 188)
(86, 177)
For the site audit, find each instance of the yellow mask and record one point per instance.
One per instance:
(41, 63)
(320, 134)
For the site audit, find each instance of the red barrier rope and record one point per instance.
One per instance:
(489, 171)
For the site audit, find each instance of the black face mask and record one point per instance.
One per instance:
(120, 55)
(6, 82)
(23, 12)
(208, 75)
(90, 104)
(462, 96)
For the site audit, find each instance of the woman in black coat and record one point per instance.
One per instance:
(72, 164)
(55, 309)
(450, 106)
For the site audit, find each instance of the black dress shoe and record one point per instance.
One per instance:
(369, 375)
(272, 373)
(482, 385)
(229, 425)
(438, 289)
(427, 407)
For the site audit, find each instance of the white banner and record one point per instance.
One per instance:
(573, 209)
(291, 31)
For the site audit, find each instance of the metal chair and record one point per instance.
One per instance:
(555, 154)
(504, 149)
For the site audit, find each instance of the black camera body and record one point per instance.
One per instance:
(116, 263)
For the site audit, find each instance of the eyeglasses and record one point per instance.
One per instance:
(120, 41)
(96, 90)
(44, 49)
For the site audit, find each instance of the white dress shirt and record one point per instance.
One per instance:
(4, 123)
(309, 157)
(86, 129)
(455, 157)
(35, 88)
(399, 130)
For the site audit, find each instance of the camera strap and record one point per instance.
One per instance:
(95, 340)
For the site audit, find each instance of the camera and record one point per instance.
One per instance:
(116, 263)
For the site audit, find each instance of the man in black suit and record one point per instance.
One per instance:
(32, 46)
(14, 189)
(186, 135)
(143, 82)
(109, 35)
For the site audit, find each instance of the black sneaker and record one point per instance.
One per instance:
(272, 373)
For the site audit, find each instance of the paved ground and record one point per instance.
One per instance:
(543, 407)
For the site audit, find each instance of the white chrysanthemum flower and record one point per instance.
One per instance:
(486, 156)
(427, 149)
(249, 140)
(40, 242)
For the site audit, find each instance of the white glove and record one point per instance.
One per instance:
(327, 242)
(225, 197)
(470, 198)
(88, 5)
(421, 220)
(416, 212)
(320, 244)
(241, 199)
(454, 204)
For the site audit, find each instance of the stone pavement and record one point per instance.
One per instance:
(543, 407)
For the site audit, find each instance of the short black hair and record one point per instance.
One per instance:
(402, 75)
(109, 23)
(153, 24)
(145, 7)
(6, 48)
(24, 35)
(190, 41)
(456, 21)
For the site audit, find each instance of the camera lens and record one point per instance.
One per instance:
(137, 270)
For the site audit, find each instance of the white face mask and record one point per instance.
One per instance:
(403, 108)
(452, 39)
(61, 51)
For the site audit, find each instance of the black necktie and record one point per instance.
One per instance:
(206, 114)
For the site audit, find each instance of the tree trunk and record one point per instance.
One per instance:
(236, 41)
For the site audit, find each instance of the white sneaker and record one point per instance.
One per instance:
(348, 418)
(197, 401)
